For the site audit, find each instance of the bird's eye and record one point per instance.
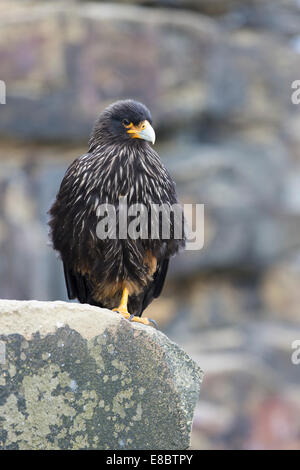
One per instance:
(126, 122)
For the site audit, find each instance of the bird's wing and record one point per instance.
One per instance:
(77, 285)
(70, 282)
(156, 286)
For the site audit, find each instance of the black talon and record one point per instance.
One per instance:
(131, 317)
(154, 323)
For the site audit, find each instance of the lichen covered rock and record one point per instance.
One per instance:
(79, 377)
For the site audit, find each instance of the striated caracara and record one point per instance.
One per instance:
(120, 165)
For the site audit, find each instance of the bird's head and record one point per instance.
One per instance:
(125, 120)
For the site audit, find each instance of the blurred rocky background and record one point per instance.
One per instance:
(217, 76)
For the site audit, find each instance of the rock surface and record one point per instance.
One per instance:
(79, 377)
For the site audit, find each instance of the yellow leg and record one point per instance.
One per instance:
(122, 309)
(123, 304)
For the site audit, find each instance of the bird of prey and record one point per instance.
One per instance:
(120, 163)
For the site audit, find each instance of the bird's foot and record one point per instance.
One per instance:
(123, 311)
(145, 321)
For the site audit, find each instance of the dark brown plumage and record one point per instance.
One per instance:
(119, 162)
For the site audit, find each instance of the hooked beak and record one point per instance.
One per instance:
(143, 131)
